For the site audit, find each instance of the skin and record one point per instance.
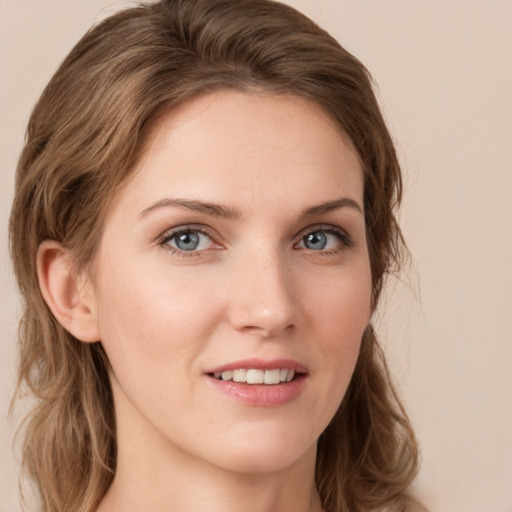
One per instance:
(253, 288)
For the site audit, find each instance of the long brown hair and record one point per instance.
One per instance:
(83, 139)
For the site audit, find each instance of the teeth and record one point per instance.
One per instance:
(240, 376)
(272, 376)
(254, 376)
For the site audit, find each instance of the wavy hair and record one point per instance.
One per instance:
(83, 139)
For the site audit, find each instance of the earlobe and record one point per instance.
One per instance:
(70, 296)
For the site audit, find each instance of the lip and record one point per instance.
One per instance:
(260, 364)
(260, 395)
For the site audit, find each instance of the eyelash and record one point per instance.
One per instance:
(343, 237)
(173, 233)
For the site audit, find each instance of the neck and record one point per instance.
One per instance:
(195, 486)
(199, 492)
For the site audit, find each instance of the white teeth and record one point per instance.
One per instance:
(227, 375)
(255, 376)
(239, 375)
(272, 376)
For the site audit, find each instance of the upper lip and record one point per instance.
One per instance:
(260, 364)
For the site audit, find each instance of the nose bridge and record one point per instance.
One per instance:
(263, 301)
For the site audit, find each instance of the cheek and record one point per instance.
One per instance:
(153, 317)
(341, 303)
(340, 312)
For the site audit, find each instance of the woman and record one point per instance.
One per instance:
(203, 220)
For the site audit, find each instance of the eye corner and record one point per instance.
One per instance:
(195, 240)
(323, 241)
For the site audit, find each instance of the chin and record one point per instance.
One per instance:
(260, 453)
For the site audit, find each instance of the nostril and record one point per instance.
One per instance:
(265, 331)
(265, 304)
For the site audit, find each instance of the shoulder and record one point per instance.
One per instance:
(414, 506)
(405, 505)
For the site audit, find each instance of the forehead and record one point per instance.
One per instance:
(230, 146)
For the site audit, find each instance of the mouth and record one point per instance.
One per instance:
(256, 376)
(258, 372)
(260, 383)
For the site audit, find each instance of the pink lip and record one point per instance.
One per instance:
(260, 364)
(260, 395)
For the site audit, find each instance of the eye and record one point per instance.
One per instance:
(324, 239)
(188, 240)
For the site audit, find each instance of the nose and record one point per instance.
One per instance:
(262, 299)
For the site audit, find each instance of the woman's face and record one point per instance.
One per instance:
(236, 255)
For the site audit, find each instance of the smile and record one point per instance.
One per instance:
(256, 376)
(260, 382)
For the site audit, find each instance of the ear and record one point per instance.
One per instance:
(70, 296)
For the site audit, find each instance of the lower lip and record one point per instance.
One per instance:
(261, 395)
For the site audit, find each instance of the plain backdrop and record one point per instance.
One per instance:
(444, 76)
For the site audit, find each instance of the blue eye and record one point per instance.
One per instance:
(188, 240)
(324, 240)
(316, 241)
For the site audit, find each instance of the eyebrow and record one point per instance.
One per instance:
(232, 213)
(215, 210)
(329, 206)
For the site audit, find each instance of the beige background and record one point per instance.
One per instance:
(445, 80)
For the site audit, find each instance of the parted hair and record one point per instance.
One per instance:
(83, 140)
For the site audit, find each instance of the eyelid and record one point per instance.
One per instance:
(345, 238)
(170, 233)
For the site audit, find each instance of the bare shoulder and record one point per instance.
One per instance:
(406, 505)
(416, 507)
